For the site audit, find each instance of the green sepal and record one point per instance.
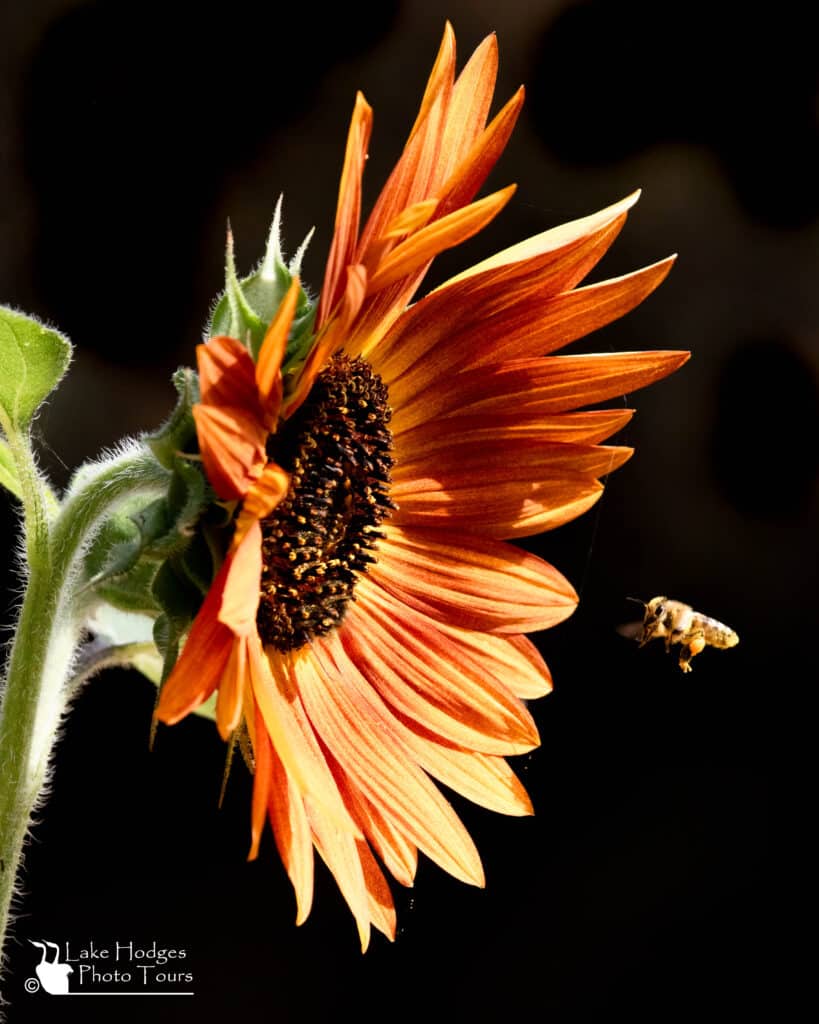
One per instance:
(178, 433)
(124, 558)
(133, 547)
(247, 306)
(33, 359)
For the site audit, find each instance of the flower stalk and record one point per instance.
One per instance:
(42, 672)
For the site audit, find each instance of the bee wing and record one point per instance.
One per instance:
(631, 630)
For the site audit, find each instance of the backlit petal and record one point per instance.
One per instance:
(430, 676)
(472, 582)
(359, 731)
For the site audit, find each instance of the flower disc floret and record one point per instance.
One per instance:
(323, 534)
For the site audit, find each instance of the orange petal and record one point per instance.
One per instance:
(232, 444)
(469, 106)
(199, 668)
(379, 897)
(443, 233)
(498, 461)
(271, 355)
(539, 387)
(339, 851)
(412, 178)
(411, 219)
(275, 688)
(527, 673)
(514, 424)
(509, 508)
(400, 856)
(440, 78)
(240, 597)
(498, 493)
(348, 211)
(230, 698)
(514, 661)
(509, 266)
(475, 166)
(226, 374)
(438, 333)
(291, 831)
(262, 781)
(263, 496)
(576, 313)
(472, 582)
(485, 780)
(431, 676)
(358, 731)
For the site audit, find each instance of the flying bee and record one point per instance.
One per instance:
(678, 623)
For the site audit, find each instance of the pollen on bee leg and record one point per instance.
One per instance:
(690, 650)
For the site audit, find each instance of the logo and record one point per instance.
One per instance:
(119, 968)
(53, 976)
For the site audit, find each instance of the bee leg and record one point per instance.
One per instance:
(690, 649)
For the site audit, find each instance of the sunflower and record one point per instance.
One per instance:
(367, 626)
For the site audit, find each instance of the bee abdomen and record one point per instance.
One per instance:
(717, 634)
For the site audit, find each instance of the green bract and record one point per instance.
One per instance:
(247, 306)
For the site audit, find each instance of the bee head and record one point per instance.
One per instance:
(653, 620)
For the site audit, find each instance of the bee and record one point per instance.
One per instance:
(678, 623)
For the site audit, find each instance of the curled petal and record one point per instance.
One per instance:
(226, 374)
(232, 445)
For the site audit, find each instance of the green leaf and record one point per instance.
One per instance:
(8, 471)
(33, 359)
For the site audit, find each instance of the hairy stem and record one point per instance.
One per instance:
(49, 629)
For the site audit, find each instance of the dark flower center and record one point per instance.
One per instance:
(317, 541)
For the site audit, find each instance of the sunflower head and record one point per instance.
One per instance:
(372, 456)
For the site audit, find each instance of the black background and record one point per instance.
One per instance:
(660, 877)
